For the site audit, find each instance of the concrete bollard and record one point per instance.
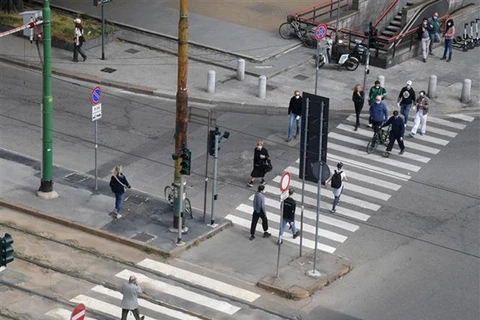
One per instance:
(262, 87)
(211, 81)
(241, 69)
(466, 88)
(382, 81)
(432, 87)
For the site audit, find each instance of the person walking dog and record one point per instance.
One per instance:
(397, 132)
(118, 185)
(130, 292)
(259, 212)
(294, 115)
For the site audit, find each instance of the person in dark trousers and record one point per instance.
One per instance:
(260, 155)
(375, 91)
(118, 185)
(259, 212)
(337, 182)
(78, 40)
(434, 36)
(449, 36)
(378, 113)
(294, 115)
(397, 132)
(130, 292)
(358, 98)
(406, 98)
(289, 207)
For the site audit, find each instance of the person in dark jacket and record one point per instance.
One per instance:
(423, 32)
(378, 113)
(358, 98)
(259, 212)
(260, 156)
(289, 207)
(294, 115)
(118, 185)
(397, 132)
(406, 98)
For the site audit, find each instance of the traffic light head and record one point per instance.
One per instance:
(6, 250)
(211, 142)
(185, 161)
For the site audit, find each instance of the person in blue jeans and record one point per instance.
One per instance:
(294, 115)
(289, 206)
(406, 98)
(118, 185)
(449, 36)
(378, 113)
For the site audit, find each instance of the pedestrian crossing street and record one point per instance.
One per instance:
(188, 304)
(372, 180)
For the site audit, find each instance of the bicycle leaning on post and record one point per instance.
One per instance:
(293, 27)
(379, 137)
(170, 198)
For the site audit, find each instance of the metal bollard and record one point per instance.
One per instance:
(466, 88)
(211, 81)
(262, 87)
(432, 87)
(241, 69)
(382, 81)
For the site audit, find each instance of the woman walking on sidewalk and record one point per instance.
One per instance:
(78, 40)
(118, 184)
(358, 99)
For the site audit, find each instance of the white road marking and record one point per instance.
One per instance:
(180, 292)
(446, 123)
(199, 280)
(306, 242)
(463, 117)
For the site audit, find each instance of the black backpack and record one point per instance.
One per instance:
(337, 179)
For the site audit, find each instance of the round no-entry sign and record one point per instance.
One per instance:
(79, 312)
(285, 181)
(320, 31)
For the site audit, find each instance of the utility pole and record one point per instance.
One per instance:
(181, 124)
(46, 184)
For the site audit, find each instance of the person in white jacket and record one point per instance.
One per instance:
(421, 115)
(130, 292)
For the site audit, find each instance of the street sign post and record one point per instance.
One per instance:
(96, 99)
(283, 185)
(320, 34)
(100, 3)
(78, 313)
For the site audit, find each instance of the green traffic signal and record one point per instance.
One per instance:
(6, 250)
(185, 164)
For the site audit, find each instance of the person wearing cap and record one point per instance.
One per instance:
(405, 101)
(78, 40)
(396, 133)
(421, 115)
(376, 90)
(337, 192)
(434, 36)
(130, 292)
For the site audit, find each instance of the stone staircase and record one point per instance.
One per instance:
(396, 24)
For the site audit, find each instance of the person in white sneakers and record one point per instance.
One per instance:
(421, 115)
(336, 181)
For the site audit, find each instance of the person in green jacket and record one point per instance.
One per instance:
(375, 91)
(434, 36)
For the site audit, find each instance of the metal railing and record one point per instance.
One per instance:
(323, 10)
(385, 12)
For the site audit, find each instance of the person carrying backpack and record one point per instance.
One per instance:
(336, 181)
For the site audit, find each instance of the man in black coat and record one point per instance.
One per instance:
(397, 132)
(294, 115)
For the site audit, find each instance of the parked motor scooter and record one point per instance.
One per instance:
(346, 60)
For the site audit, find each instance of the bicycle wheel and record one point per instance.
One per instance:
(168, 193)
(372, 145)
(309, 41)
(188, 208)
(351, 64)
(286, 30)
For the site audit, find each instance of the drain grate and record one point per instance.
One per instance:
(136, 199)
(108, 70)
(300, 77)
(132, 51)
(75, 177)
(270, 87)
(144, 237)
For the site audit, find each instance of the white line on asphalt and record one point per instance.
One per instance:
(306, 242)
(443, 122)
(180, 292)
(328, 193)
(2, 268)
(62, 314)
(199, 280)
(410, 145)
(363, 143)
(368, 167)
(463, 117)
(306, 227)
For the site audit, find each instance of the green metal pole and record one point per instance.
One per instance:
(46, 184)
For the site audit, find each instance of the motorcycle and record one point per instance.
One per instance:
(347, 60)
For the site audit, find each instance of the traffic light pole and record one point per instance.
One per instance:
(367, 71)
(214, 184)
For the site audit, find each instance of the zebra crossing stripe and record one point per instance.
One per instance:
(306, 228)
(62, 314)
(463, 117)
(436, 130)
(181, 293)
(374, 157)
(199, 280)
(328, 194)
(447, 123)
(362, 143)
(410, 144)
(306, 242)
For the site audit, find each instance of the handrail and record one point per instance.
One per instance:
(379, 19)
(331, 4)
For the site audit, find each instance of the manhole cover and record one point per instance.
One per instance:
(300, 77)
(136, 199)
(270, 87)
(144, 237)
(108, 70)
(75, 177)
(132, 51)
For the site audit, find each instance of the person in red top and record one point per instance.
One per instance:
(449, 35)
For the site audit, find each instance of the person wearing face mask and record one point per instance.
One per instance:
(259, 212)
(421, 115)
(397, 132)
(423, 33)
(358, 98)
(405, 100)
(449, 35)
(434, 37)
(375, 91)
(260, 155)
(294, 114)
(378, 113)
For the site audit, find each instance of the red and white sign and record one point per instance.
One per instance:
(320, 31)
(78, 313)
(285, 181)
